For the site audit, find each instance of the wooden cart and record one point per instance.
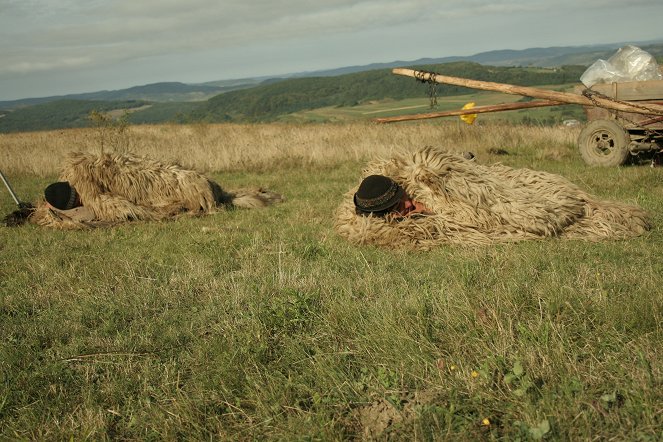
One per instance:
(610, 137)
(623, 118)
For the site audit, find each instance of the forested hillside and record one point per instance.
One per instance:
(272, 100)
(61, 114)
(268, 102)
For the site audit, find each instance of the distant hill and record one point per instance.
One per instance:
(270, 98)
(270, 101)
(155, 92)
(61, 114)
(181, 92)
(535, 57)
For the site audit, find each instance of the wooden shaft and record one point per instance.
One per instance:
(650, 121)
(475, 110)
(9, 188)
(564, 97)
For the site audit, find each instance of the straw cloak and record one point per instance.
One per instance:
(477, 204)
(123, 187)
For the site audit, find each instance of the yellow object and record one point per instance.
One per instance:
(485, 421)
(469, 118)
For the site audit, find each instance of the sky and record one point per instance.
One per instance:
(58, 47)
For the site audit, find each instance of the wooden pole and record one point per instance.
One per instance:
(11, 191)
(474, 110)
(564, 97)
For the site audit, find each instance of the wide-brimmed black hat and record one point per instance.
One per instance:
(377, 193)
(60, 195)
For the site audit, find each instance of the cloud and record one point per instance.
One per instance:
(24, 67)
(151, 38)
(109, 32)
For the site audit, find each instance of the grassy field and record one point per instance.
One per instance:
(387, 108)
(265, 325)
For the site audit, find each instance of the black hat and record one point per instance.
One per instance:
(60, 195)
(377, 193)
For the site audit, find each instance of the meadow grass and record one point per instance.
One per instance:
(369, 110)
(264, 324)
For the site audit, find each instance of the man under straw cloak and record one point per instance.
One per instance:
(96, 190)
(429, 197)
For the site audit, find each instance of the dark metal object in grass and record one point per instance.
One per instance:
(9, 188)
(20, 216)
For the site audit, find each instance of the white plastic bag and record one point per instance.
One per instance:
(629, 63)
(601, 71)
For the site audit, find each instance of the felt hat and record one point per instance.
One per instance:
(377, 193)
(61, 195)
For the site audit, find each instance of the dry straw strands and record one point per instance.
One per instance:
(229, 147)
(475, 204)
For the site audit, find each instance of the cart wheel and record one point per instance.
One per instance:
(604, 143)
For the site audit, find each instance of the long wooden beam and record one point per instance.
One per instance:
(564, 97)
(474, 110)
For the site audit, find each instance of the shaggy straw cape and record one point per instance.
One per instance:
(475, 204)
(117, 188)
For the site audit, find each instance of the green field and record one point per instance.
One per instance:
(412, 106)
(265, 325)
(349, 97)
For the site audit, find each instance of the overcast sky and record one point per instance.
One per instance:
(56, 47)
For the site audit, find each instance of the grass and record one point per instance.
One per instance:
(266, 325)
(389, 107)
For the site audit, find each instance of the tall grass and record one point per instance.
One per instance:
(264, 324)
(226, 147)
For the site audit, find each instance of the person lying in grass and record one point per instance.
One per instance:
(430, 197)
(110, 188)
